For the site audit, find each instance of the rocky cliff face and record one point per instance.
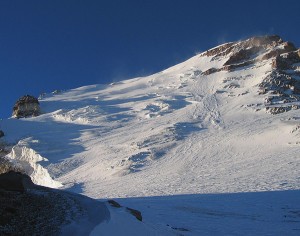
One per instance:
(26, 106)
(282, 85)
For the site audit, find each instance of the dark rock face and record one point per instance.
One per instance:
(286, 61)
(26, 106)
(1, 133)
(15, 181)
(242, 55)
(39, 212)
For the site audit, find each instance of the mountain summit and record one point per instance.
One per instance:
(224, 121)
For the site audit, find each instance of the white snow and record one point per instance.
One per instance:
(120, 223)
(25, 157)
(172, 133)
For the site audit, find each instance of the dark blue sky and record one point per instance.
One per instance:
(63, 44)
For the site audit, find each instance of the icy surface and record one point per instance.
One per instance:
(172, 133)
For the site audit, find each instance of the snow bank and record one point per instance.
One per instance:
(27, 159)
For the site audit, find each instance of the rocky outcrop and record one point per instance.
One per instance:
(29, 209)
(1, 133)
(15, 181)
(26, 106)
(281, 109)
(285, 61)
(38, 212)
(137, 214)
(281, 87)
(278, 82)
(255, 49)
(210, 71)
(282, 90)
(242, 55)
(220, 50)
(255, 43)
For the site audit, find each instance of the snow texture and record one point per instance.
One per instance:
(180, 135)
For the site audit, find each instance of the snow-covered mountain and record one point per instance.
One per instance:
(224, 121)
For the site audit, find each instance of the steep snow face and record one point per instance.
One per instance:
(27, 159)
(198, 127)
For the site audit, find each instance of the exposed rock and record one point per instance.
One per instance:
(271, 54)
(210, 71)
(220, 50)
(136, 213)
(292, 57)
(39, 210)
(285, 61)
(282, 85)
(259, 42)
(279, 63)
(242, 55)
(232, 85)
(236, 66)
(278, 110)
(114, 203)
(5, 164)
(1, 133)
(289, 46)
(277, 81)
(248, 52)
(26, 106)
(15, 181)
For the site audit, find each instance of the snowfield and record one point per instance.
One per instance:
(197, 154)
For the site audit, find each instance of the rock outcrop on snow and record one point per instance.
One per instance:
(26, 106)
(247, 52)
(282, 85)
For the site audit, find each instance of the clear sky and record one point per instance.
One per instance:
(61, 44)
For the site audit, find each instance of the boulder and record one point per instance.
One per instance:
(26, 106)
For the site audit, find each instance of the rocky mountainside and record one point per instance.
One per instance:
(224, 121)
(282, 85)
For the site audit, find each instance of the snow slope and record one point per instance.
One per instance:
(179, 131)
